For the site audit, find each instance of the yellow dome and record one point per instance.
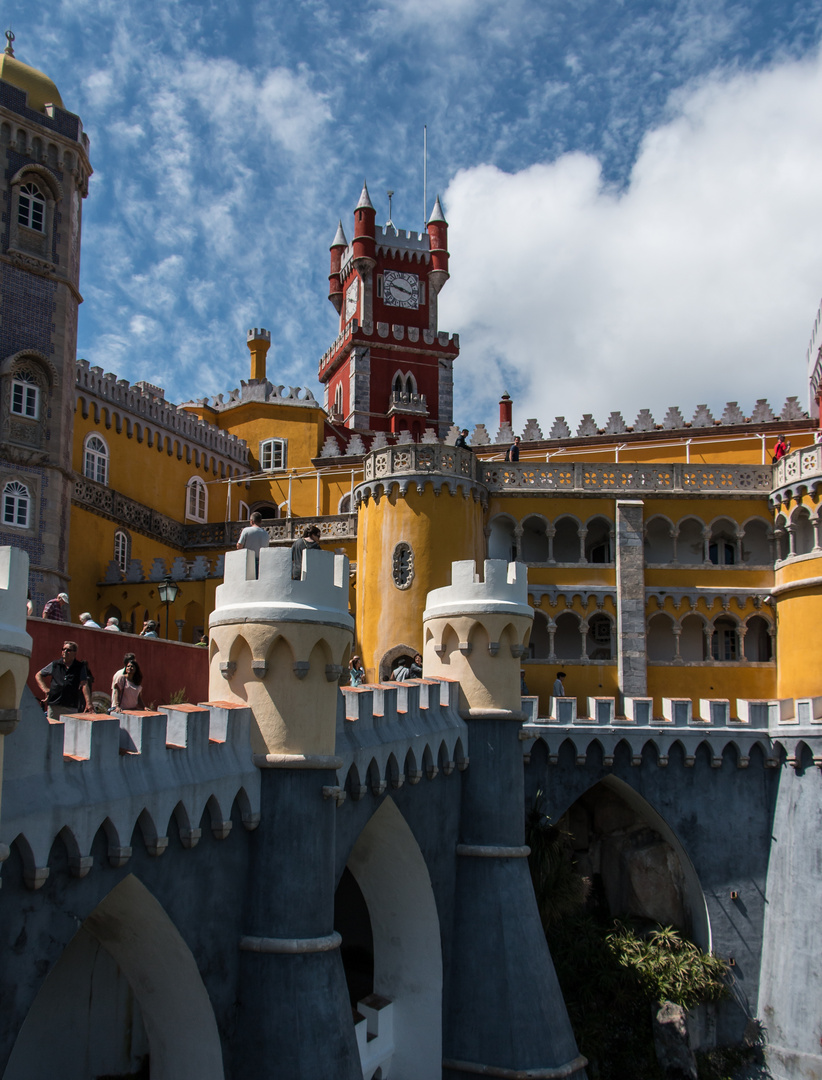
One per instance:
(39, 87)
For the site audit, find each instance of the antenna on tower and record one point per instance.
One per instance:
(390, 222)
(424, 176)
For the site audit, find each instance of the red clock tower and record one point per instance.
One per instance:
(390, 368)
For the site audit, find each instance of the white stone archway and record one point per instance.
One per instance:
(126, 973)
(390, 870)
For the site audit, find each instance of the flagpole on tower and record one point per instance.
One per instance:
(424, 176)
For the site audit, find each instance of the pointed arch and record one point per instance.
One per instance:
(131, 943)
(391, 872)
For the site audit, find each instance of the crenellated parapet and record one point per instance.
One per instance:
(157, 770)
(475, 631)
(781, 730)
(280, 645)
(672, 424)
(388, 736)
(144, 414)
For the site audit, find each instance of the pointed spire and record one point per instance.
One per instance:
(437, 213)
(365, 201)
(339, 238)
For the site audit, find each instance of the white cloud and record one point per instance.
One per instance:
(698, 282)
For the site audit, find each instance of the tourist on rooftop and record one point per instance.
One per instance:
(57, 609)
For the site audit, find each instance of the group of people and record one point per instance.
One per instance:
(57, 610)
(254, 538)
(70, 681)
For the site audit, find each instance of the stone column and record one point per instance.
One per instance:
(514, 1023)
(630, 580)
(279, 646)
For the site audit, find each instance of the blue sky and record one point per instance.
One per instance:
(632, 188)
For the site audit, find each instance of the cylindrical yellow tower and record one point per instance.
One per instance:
(279, 646)
(797, 590)
(420, 509)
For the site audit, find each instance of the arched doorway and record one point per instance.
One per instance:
(637, 863)
(392, 878)
(125, 998)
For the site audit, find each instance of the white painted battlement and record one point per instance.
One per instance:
(504, 590)
(258, 334)
(389, 735)
(722, 725)
(14, 576)
(159, 770)
(320, 595)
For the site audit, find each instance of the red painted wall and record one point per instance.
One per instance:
(167, 666)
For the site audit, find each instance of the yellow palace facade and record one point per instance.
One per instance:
(668, 559)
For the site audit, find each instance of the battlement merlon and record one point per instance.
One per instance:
(503, 592)
(14, 576)
(320, 595)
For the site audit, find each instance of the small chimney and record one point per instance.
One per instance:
(505, 410)
(259, 342)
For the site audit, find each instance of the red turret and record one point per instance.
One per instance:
(506, 406)
(438, 239)
(365, 244)
(338, 246)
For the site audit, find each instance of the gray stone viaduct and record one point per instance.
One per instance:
(168, 902)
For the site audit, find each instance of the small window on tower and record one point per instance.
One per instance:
(403, 566)
(31, 208)
(273, 454)
(25, 395)
(379, 286)
(422, 292)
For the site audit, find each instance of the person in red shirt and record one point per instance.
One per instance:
(781, 449)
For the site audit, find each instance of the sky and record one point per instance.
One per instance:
(632, 188)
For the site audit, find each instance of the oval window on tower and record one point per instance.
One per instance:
(403, 566)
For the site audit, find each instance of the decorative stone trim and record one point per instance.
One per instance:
(297, 761)
(279, 946)
(579, 478)
(493, 851)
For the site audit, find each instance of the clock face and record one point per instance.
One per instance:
(352, 294)
(401, 289)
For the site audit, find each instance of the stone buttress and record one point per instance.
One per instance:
(475, 632)
(279, 646)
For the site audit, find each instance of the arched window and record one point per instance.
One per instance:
(598, 541)
(758, 644)
(196, 499)
(659, 541)
(243, 512)
(724, 640)
(31, 208)
(399, 385)
(598, 642)
(722, 546)
(122, 549)
(501, 542)
(16, 504)
(534, 545)
(25, 394)
(338, 399)
(566, 540)
(402, 566)
(95, 459)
